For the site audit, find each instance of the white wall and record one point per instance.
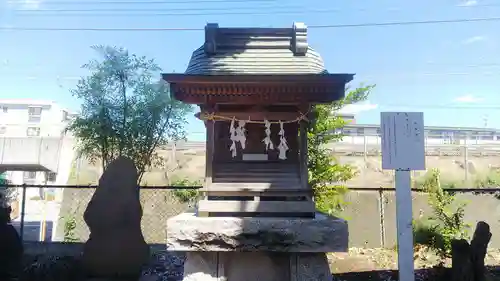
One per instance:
(375, 140)
(16, 119)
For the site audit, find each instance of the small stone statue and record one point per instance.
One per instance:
(116, 246)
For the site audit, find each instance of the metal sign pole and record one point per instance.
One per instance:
(403, 150)
(404, 217)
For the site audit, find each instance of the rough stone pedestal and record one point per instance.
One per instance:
(256, 249)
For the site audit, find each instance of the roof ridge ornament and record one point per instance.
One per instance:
(210, 45)
(299, 43)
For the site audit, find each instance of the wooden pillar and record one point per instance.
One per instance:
(209, 152)
(210, 141)
(303, 154)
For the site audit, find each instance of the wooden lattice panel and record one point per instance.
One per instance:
(257, 189)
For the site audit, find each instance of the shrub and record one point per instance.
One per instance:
(446, 222)
(186, 195)
(327, 176)
(429, 179)
(69, 229)
(491, 179)
(7, 194)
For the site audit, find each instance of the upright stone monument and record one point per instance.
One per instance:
(116, 246)
(256, 220)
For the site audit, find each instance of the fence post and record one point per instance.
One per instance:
(174, 154)
(23, 209)
(365, 149)
(77, 168)
(43, 223)
(381, 203)
(466, 160)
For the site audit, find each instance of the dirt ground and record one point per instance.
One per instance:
(190, 164)
(381, 264)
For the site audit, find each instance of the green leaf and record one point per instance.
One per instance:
(125, 111)
(326, 175)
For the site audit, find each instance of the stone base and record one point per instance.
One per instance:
(256, 266)
(323, 234)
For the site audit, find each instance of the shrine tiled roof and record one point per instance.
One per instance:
(255, 51)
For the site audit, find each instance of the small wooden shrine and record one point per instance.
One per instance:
(255, 88)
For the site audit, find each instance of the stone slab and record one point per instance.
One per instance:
(187, 232)
(256, 266)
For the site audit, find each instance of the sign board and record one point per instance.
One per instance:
(403, 141)
(255, 157)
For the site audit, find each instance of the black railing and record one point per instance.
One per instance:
(22, 197)
(158, 204)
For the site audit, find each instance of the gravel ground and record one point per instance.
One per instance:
(357, 265)
(164, 266)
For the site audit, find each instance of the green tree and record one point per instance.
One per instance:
(125, 111)
(447, 220)
(326, 175)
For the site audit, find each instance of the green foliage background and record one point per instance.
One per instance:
(327, 176)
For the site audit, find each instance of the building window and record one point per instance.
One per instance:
(360, 131)
(65, 115)
(35, 114)
(435, 134)
(460, 135)
(487, 135)
(3, 130)
(33, 132)
(348, 132)
(29, 175)
(5, 109)
(51, 176)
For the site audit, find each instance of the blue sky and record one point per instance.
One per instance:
(448, 71)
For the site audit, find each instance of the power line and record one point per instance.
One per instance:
(364, 76)
(149, 2)
(441, 106)
(222, 12)
(164, 2)
(167, 11)
(237, 8)
(43, 12)
(328, 26)
(6, 63)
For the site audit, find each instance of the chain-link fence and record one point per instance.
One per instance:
(371, 213)
(55, 213)
(462, 162)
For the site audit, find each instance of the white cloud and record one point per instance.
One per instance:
(26, 4)
(474, 39)
(468, 99)
(357, 107)
(468, 3)
(6, 26)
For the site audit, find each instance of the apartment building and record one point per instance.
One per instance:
(355, 133)
(30, 118)
(370, 133)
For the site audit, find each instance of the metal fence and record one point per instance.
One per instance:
(371, 213)
(462, 163)
(55, 213)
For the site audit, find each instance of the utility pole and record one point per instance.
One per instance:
(485, 121)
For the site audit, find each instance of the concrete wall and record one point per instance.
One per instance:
(372, 216)
(33, 151)
(376, 140)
